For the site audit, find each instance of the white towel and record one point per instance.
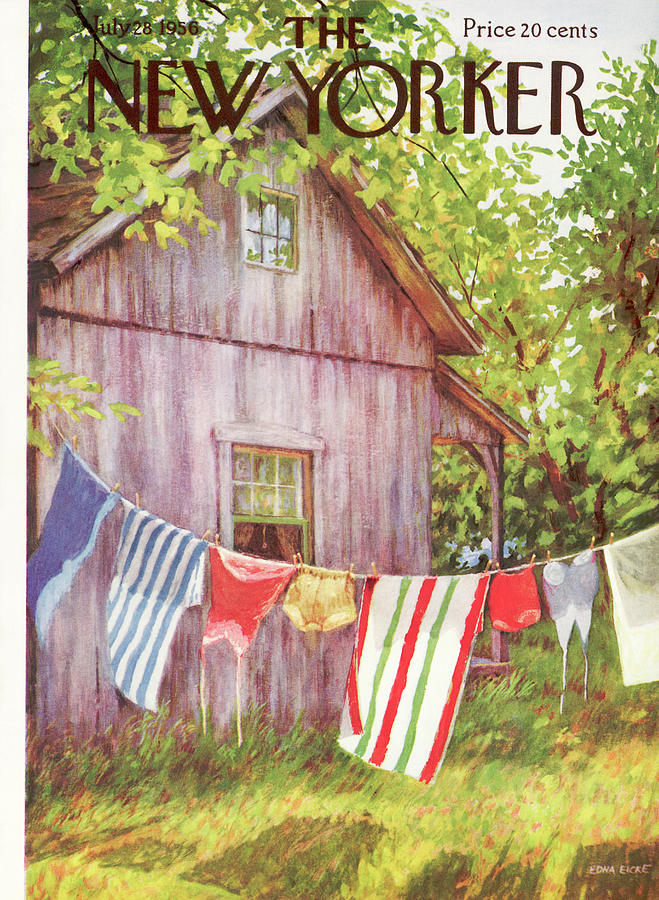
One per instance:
(412, 651)
(159, 573)
(633, 566)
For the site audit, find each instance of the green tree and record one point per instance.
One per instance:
(607, 427)
(582, 357)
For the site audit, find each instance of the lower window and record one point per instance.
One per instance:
(271, 503)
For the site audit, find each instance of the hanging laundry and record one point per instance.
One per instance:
(80, 503)
(513, 600)
(243, 589)
(633, 566)
(320, 599)
(159, 572)
(569, 592)
(412, 649)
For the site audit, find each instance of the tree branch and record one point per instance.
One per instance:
(437, 159)
(544, 350)
(469, 297)
(214, 7)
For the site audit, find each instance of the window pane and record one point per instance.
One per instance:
(289, 470)
(265, 468)
(269, 541)
(285, 255)
(286, 208)
(242, 465)
(270, 251)
(242, 499)
(253, 247)
(271, 232)
(288, 502)
(269, 215)
(264, 500)
(253, 213)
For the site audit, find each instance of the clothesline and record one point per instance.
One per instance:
(390, 720)
(488, 572)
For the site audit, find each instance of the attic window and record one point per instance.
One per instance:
(271, 229)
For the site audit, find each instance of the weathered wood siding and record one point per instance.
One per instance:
(207, 346)
(371, 498)
(341, 300)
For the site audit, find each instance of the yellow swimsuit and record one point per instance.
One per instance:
(321, 599)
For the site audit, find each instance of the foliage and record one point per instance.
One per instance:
(580, 358)
(525, 802)
(567, 315)
(608, 430)
(51, 390)
(461, 501)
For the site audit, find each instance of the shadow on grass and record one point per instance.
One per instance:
(448, 877)
(50, 842)
(147, 854)
(309, 858)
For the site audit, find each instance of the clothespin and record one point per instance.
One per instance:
(532, 560)
(75, 443)
(592, 542)
(497, 565)
(206, 534)
(374, 569)
(116, 487)
(137, 499)
(610, 538)
(489, 565)
(217, 541)
(350, 574)
(548, 556)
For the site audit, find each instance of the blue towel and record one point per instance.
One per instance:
(80, 503)
(159, 573)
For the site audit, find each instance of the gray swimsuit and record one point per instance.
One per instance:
(569, 592)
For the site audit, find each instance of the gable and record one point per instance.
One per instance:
(341, 300)
(451, 332)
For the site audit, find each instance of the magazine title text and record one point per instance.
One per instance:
(519, 116)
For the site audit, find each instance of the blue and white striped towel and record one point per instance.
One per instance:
(159, 573)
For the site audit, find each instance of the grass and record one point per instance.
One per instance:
(526, 804)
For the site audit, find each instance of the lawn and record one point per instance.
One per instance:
(527, 804)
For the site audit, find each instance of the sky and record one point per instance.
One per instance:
(621, 29)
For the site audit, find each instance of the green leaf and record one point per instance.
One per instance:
(121, 410)
(38, 439)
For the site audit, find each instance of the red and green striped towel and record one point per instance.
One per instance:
(412, 651)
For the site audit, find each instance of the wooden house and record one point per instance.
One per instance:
(288, 371)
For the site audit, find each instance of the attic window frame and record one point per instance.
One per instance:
(272, 192)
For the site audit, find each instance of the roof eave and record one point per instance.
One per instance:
(511, 431)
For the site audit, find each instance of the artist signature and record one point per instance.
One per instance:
(644, 869)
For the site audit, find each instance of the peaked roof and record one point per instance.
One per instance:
(63, 229)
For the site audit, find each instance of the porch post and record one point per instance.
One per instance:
(493, 461)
